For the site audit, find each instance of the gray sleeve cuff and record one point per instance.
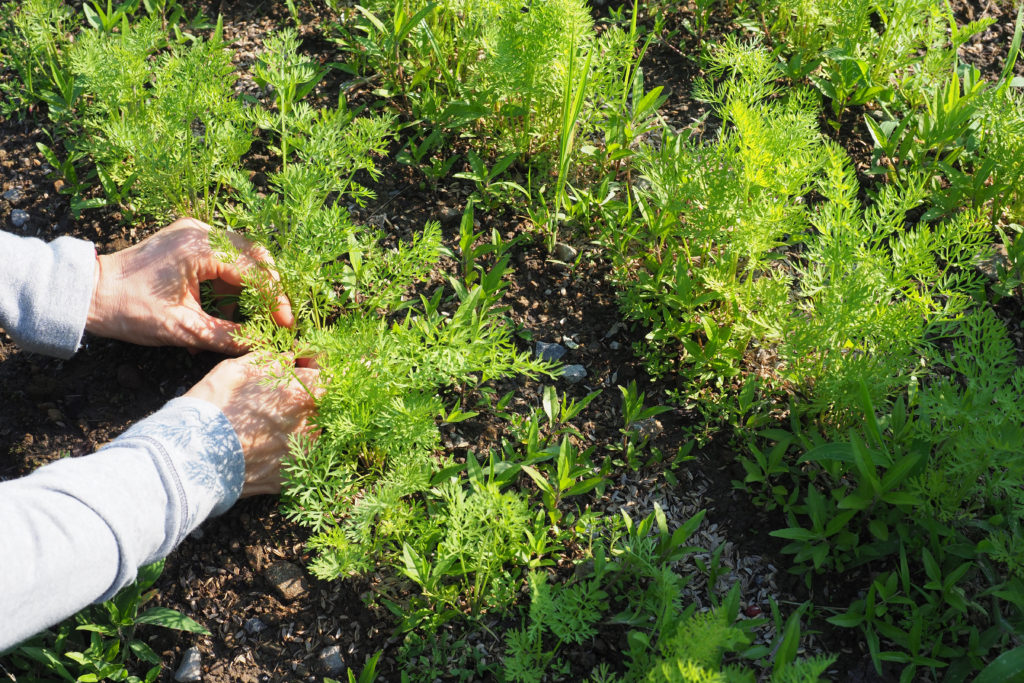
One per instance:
(45, 291)
(199, 457)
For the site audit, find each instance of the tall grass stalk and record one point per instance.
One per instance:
(572, 104)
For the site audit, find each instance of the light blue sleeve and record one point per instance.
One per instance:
(75, 531)
(45, 290)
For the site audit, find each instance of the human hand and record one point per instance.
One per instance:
(148, 294)
(264, 415)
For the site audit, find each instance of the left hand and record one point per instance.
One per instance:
(148, 294)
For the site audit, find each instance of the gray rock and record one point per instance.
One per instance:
(615, 346)
(649, 428)
(563, 252)
(995, 264)
(14, 195)
(287, 579)
(254, 625)
(191, 667)
(549, 351)
(616, 328)
(330, 661)
(19, 218)
(574, 373)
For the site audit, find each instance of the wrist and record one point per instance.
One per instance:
(97, 321)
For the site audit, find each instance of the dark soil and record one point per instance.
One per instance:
(218, 575)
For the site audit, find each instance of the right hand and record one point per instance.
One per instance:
(264, 414)
(149, 294)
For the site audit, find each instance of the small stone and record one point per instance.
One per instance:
(330, 661)
(615, 346)
(574, 373)
(191, 667)
(549, 351)
(14, 195)
(649, 428)
(752, 611)
(450, 216)
(563, 252)
(995, 264)
(570, 344)
(254, 625)
(19, 218)
(616, 328)
(287, 579)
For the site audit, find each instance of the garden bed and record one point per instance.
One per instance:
(223, 575)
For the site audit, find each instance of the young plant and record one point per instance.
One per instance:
(112, 647)
(290, 77)
(33, 35)
(161, 128)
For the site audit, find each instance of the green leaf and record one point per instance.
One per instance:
(148, 575)
(687, 529)
(794, 534)
(898, 472)
(143, 652)
(1006, 668)
(786, 653)
(538, 479)
(169, 618)
(47, 658)
(931, 567)
(863, 461)
(847, 620)
(858, 500)
(832, 452)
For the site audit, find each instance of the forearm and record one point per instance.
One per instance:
(45, 291)
(76, 531)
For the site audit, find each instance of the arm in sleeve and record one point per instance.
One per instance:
(45, 291)
(75, 531)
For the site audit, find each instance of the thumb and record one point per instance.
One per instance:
(197, 329)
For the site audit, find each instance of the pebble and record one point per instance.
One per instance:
(191, 667)
(563, 252)
(574, 373)
(287, 579)
(615, 329)
(14, 195)
(330, 661)
(995, 264)
(254, 625)
(549, 351)
(19, 218)
(615, 346)
(649, 428)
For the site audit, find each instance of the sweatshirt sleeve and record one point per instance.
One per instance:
(45, 290)
(74, 532)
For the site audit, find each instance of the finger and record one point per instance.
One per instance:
(225, 299)
(310, 379)
(252, 258)
(202, 331)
